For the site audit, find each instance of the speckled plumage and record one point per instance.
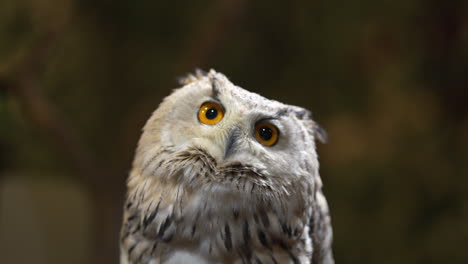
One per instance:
(214, 194)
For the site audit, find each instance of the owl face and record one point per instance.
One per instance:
(233, 135)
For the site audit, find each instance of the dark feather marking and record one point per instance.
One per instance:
(303, 241)
(247, 252)
(164, 226)
(160, 163)
(131, 249)
(151, 217)
(227, 240)
(194, 228)
(296, 231)
(181, 208)
(282, 244)
(286, 229)
(147, 164)
(262, 238)
(236, 214)
(137, 228)
(281, 113)
(130, 218)
(155, 245)
(129, 204)
(246, 232)
(311, 227)
(273, 259)
(142, 194)
(133, 197)
(302, 113)
(177, 198)
(265, 220)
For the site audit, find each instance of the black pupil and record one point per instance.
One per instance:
(211, 113)
(266, 133)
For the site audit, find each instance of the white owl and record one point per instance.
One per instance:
(222, 175)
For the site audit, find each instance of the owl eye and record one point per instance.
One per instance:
(266, 133)
(210, 113)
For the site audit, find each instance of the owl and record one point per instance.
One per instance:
(223, 175)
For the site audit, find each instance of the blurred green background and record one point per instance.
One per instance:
(388, 80)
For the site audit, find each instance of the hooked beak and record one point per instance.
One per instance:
(231, 142)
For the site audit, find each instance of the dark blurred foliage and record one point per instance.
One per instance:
(388, 80)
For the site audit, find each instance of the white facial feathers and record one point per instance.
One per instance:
(175, 123)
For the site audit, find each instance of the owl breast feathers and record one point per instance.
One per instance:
(222, 175)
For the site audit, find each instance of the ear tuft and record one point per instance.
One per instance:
(192, 77)
(319, 133)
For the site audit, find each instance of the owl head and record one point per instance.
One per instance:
(213, 136)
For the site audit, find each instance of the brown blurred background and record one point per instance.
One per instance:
(388, 80)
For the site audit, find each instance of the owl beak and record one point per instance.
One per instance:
(231, 141)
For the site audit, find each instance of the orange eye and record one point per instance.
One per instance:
(266, 133)
(210, 113)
